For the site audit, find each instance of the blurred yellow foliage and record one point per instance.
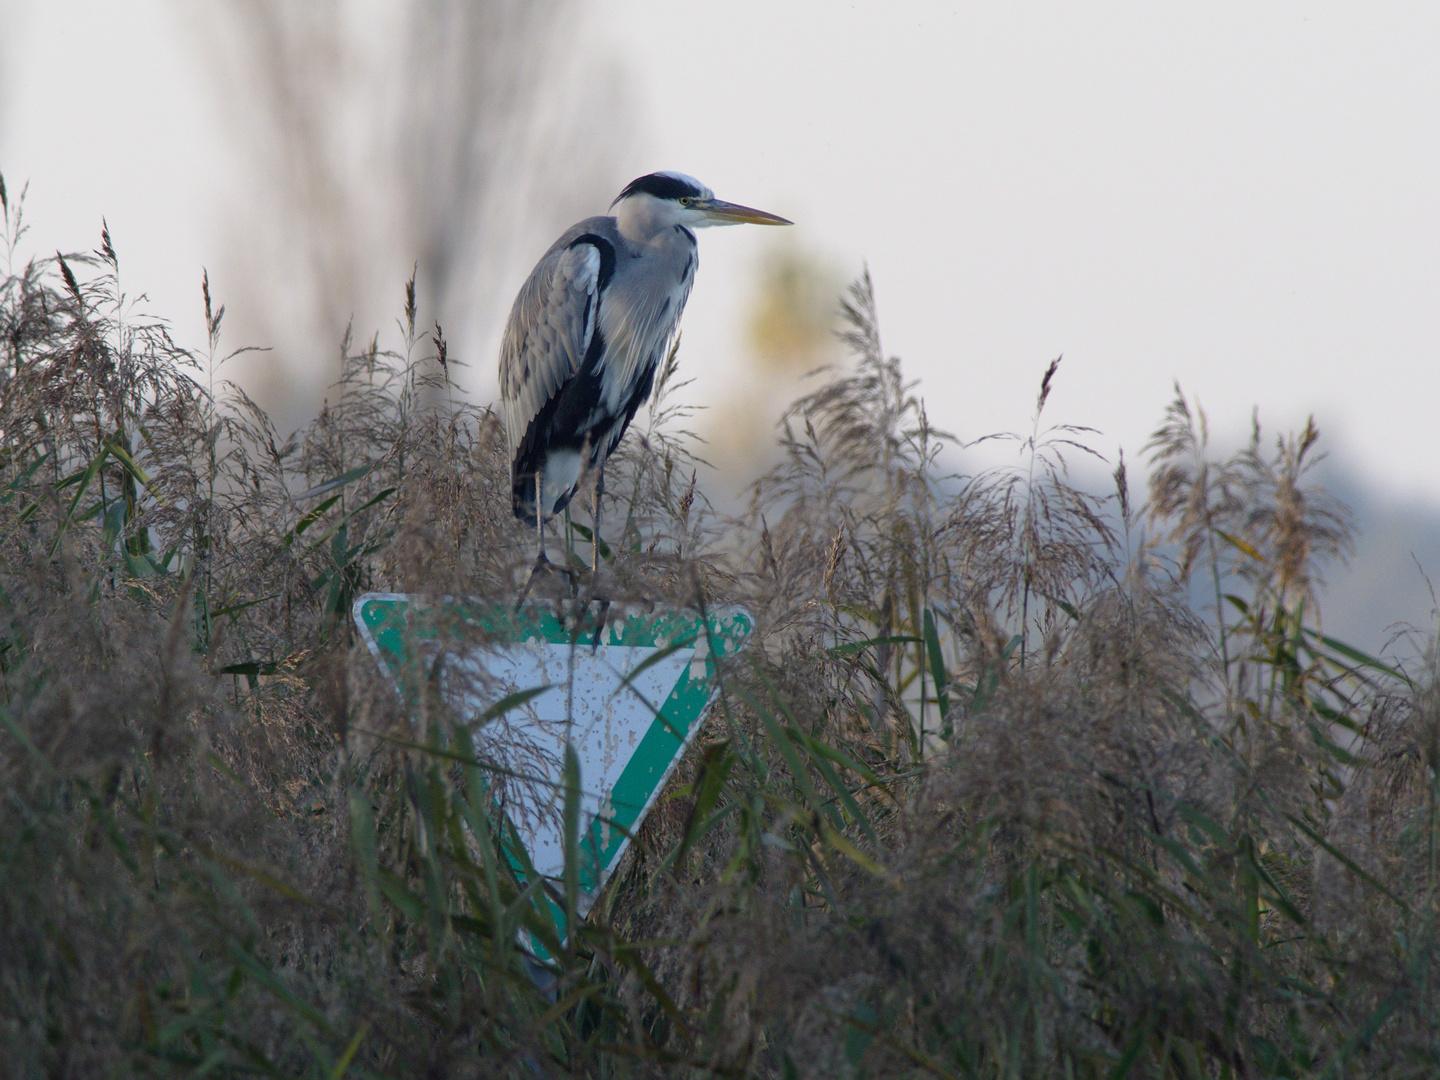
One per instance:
(793, 321)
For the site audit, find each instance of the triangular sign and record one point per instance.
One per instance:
(627, 693)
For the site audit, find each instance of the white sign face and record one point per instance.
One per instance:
(596, 701)
(628, 695)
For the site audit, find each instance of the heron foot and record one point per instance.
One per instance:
(544, 568)
(601, 586)
(602, 608)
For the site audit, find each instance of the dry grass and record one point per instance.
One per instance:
(987, 799)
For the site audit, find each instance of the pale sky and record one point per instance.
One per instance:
(1242, 197)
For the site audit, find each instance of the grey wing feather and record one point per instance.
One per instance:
(549, 331)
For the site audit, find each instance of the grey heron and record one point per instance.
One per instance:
(592, 322)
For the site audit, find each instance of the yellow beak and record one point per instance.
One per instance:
(724, 213)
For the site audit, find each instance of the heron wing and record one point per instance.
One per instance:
(548, 334)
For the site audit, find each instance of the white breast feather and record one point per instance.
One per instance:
(637, 332)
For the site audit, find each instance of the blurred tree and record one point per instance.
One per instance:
(791, 331)
(457, 137)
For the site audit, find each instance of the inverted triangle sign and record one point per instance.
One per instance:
(628, 694)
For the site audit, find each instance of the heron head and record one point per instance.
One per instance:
(663, 199)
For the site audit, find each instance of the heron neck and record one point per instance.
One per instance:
(643, 221)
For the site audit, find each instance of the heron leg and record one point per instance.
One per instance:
(541, 562)
(539, 518)
(603, 606)
(595, 522)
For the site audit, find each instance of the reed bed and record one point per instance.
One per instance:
(989, 797)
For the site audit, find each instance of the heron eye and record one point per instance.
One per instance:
(685, 200)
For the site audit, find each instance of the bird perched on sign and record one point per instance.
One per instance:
(590, 326)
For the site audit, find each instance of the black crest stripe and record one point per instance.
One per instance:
(661, 186)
